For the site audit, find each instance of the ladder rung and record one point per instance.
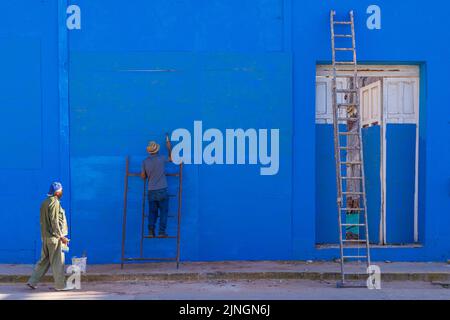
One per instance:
(359, 241)
(168, 216)
(342, 22)
(349, 150)
(172, 174)
(133, 174)
(348, 119)
(346, 90)
(344, 49)
(352, 192)
(349, 133)
(345, 63)
(349, 104)
(351, 162)
(158, 237)
(353, 224)
(343, 36)
(353, 257)
(352, 209)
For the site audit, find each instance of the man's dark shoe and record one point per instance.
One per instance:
(151, 232)
(162, 234)
(66, 288)
(31, 286)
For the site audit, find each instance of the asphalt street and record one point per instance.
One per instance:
(230, 290)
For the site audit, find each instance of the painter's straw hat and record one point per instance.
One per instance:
(152, 147)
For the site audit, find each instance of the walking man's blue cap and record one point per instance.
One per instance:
(55, 186)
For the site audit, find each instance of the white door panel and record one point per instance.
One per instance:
(371, 103)
(401, 100)
(324, 104)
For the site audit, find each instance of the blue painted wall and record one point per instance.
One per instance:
(372, 166)
(327, 231)
(29, 122)
(238, 64)
(224, 90)
(400, 183)
(409, 34)
(401, 151)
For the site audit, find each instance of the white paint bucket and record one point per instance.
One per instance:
(80, 262)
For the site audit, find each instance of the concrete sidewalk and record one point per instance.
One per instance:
(242, 270)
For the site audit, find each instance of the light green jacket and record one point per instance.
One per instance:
(53, 219)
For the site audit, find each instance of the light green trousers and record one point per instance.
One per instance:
(51, 256)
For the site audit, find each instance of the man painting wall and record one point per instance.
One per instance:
(153, 169)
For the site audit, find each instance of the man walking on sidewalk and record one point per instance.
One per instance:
(53, 234)
(153, 169)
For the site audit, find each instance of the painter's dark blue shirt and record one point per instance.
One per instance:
(154, 167)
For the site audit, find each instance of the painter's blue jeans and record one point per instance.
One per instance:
(158, 200)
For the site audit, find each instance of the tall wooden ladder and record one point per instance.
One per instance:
(348, 148)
